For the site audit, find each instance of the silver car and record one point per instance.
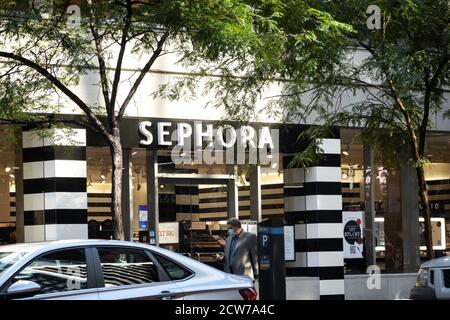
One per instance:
(110, 270)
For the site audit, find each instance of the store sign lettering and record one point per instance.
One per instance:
(208, 144)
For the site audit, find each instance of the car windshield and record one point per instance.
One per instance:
(7, 259)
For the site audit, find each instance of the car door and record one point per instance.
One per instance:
(131, 273)
(63, 274)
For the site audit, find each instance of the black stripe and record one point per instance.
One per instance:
(211, 190)
(332, 297)
(272, 215)
(54, 153)
(99, 195)
(224, 217)
(315, 245)
(319, 216)
(438, 192)
(242, 208)
(437, 182)
(241, 188)
(99, 205)
(347, 185)
(325, 160)
(185, 170)
(242, 198)
(351, 195)
(33, 218)
(12, 204)
(55, 216)
(324, 273)
(186, 190)
(12, 194)
(66, 216)
(313, 188)
(12, 214)
(186, 208)
(54, 185)
(99, 214)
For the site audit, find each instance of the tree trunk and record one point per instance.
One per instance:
(423, 195)
(117, 165)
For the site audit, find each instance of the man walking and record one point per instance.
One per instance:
(241, 255)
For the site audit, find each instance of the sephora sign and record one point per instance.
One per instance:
(205, 143)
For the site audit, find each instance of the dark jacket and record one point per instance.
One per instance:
(245, 256)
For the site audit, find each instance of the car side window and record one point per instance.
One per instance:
(60, 271)
(122, 266)
(175, 271)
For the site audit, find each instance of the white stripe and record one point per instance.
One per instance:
(297, 203)
(294, 176)
(33, 170)
(65, 169)
(300, 261)
(324, 230)
(32, 139)
(66, 231)
(323, 174)
(34, 233)
(323, 202)
(325, 259)
(331, 146)
(60, 137)
(33, 201)
(66, 200)
(66, 137)
(329, 287)
(300, 231)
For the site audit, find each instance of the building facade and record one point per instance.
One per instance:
(348, 212)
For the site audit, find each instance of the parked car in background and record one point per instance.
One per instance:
(433, 280)
(110, 270)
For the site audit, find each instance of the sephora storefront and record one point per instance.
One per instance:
(182, 179)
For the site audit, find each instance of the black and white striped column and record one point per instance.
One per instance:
(313, 203)
(54, 183)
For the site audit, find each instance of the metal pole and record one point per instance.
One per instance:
(255, 193)
(152, 196)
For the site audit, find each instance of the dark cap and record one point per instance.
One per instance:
(234, 222)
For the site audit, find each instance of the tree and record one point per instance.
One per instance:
(402, 79)
(245, 41)
(45, 51)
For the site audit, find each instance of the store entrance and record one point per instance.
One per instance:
(193, 210)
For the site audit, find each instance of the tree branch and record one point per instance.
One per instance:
(142, 74)
(123, 44)
(57, 83)
(101, 61)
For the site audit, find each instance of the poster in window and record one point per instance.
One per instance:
(289, 243)
(352, 222)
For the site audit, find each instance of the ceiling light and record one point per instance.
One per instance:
(104, 181)
(12, 176)
(344, 175)
(102, 176)
(133, 153)
(8, 169)
(274, 166)
(345, 153)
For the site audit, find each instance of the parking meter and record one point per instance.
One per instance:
(272, 269)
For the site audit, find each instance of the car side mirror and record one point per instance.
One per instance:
(23, 289)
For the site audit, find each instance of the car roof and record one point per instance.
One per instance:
(36, 246)
(437, 263)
